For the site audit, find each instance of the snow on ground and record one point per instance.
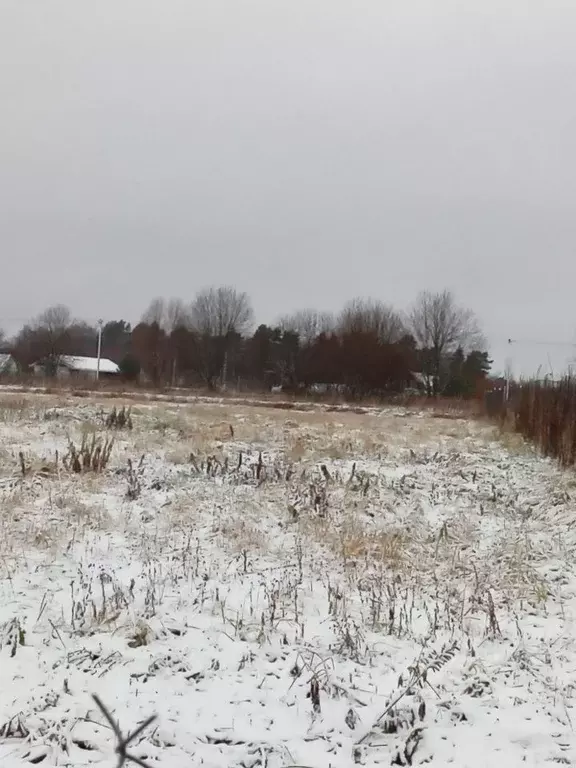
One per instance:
(282, 589)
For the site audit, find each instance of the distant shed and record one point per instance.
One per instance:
(76, 365)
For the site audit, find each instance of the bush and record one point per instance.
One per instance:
(546, 414)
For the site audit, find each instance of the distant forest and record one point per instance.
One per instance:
(213, 341)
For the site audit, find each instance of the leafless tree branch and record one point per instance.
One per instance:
(372, 316)
(123, 742)
(440, 326)
(168, 315)
(220, 311)
(308, 324)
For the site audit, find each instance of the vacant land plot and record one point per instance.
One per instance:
(280, 589)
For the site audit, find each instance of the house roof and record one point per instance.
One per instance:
(88, 364)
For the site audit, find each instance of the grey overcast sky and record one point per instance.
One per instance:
(305, 151)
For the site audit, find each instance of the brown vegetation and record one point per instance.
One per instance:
(369, 349)
(546, 414)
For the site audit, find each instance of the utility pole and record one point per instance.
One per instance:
(508, 374)
(100, 324)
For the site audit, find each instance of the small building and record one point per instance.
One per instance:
(77, 366)
(8, 365)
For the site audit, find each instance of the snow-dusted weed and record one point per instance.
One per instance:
(280, 587)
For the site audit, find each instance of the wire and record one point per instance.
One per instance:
(535, 342)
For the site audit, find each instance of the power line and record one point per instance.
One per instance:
(540, 342)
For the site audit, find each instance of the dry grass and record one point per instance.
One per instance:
(357, 543)
(180, 455)
(349, 532)
(546, 415)
(243, 536)
(13, 408)
(65, 520)
(14, 402)
(352, 542)
(513, 441)
(358, 546)
(92, 455)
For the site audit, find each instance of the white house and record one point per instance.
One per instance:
(8, 366)
(78, 366)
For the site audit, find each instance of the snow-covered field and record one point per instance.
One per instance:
(282, 588)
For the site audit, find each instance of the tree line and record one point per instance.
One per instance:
(367, 348)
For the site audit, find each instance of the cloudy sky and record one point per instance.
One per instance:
(305, 151)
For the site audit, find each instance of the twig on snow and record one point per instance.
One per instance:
(124, 741)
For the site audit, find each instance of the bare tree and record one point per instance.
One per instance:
(176, 315)
(2, 338)
(440, 326)
(308, 324)
(168, 315)
(47, 337)
(372, 316)
(55, 320)
(52, 328)
(154, 312)
(218, 318)
(218, 312)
